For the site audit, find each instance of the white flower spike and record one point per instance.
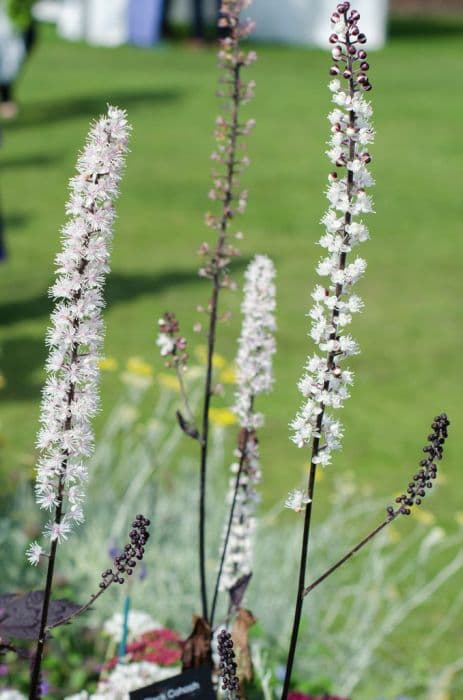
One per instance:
(70, 396)
(325, 383)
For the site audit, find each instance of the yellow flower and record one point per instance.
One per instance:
(137, 365)
(169, 381)
(459, 517)
(228, 375)
(137, 381)
(2, 381)
(108, 364)
(218, 361)
(424, 516)
(222, 417)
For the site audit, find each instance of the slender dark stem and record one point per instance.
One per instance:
(184, 394)
(316, 441)
(38, 656)
(229, 523)
(84, 608)
(214, 305)
(301, 581)
(349, 554)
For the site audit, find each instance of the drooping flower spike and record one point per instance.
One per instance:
(325, 383)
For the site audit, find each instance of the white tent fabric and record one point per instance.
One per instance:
(308, 21)
(107, 22)
(71, 20)
(11, 48)
(100, 22)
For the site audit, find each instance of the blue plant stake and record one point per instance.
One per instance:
(125, 628)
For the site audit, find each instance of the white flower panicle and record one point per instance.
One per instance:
(245, 475)
(297, 500)
(70, 397)
(257, 340)
(325, 383)
(254, 376)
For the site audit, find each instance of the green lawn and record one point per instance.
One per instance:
(411, 330)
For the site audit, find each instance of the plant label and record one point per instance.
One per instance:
(195, 683)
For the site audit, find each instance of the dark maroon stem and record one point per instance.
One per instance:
(316, 441)
(214, 306)
(229, 523)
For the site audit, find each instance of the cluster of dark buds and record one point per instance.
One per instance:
(126, 562)
(171, 344)
(227, 668)
(423, 479)
(350, 59)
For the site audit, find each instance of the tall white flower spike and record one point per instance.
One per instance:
(254, 377)
(70, 395)
(325, 382)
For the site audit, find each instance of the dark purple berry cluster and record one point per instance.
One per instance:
(125, 563)
(350, 59)
(227, 668)
(423, 479)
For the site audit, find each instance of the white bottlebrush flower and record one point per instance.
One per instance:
(257, 341)
(70, 397)
(34, 552)
(256, 347)
(239, 553)
(296, 500)
(325, 381)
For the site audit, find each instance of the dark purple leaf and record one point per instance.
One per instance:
(20, 614)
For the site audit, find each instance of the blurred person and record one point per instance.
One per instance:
(17, 37)
(198, 18)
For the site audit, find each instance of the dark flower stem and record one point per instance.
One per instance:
(211, 337)
(38, 657)
(243, 455)
(316, 441)
(414, 495)
(34, 692)
(349, 554)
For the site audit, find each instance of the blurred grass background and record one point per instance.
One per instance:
(411, 330)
